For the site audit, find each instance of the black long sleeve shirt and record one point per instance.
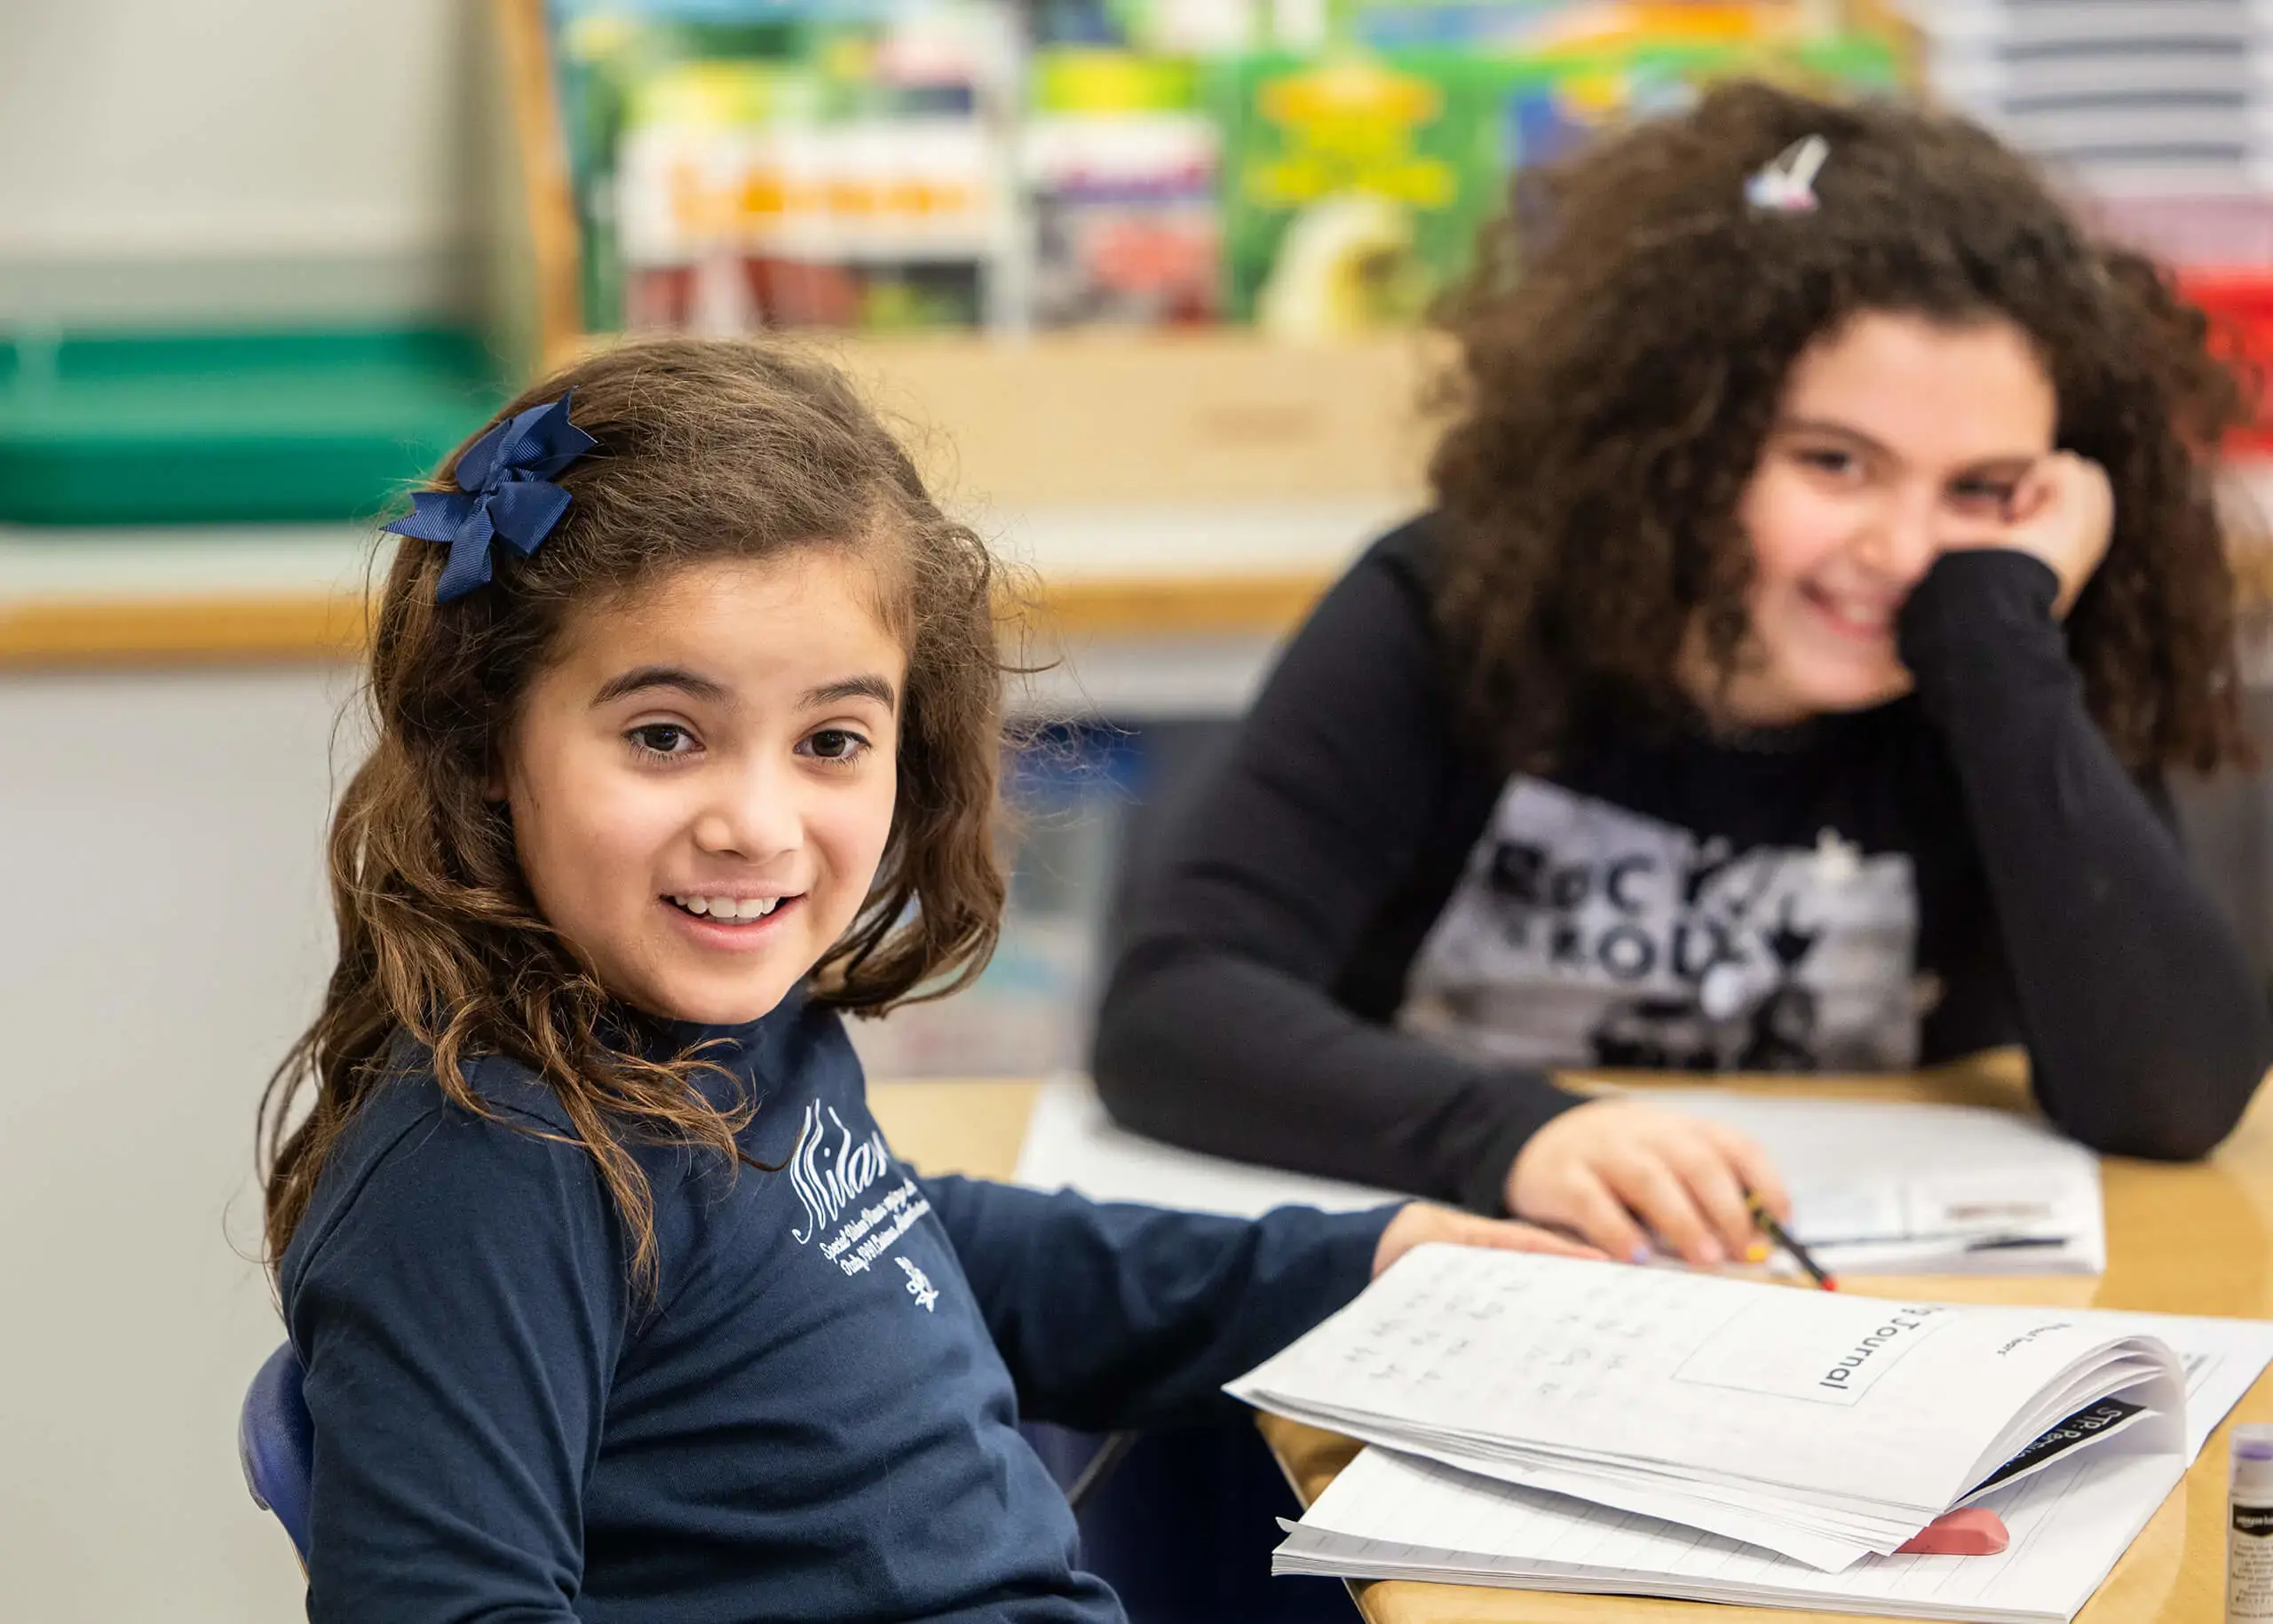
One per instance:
(1365, 946)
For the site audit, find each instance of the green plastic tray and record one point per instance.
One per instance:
(216, 428)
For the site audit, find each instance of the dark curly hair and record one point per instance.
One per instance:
(708, 450)
(1623, 345)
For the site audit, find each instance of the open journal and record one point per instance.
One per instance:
(1396, 1517)
(1808, 1434)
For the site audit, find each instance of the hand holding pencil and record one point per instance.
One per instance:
(1640, 1181)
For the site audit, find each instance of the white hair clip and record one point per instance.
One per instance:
(1788, 185)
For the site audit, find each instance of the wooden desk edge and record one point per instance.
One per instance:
(311, 626)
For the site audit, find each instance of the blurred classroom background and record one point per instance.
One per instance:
(1144, 280)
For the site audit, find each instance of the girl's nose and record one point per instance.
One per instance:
(754, 816)
(1902, 539)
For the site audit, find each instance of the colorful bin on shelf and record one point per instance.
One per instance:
(228, 428)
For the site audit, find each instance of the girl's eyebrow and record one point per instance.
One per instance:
(692, 684)
(1832, 429)
(867, 685)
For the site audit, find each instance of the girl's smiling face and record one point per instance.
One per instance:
(1896, 439)
(702, 780)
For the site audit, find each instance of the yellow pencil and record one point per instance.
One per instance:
(1782, 1236)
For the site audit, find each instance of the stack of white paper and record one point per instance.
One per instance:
(1878, 1186)
(1410, 1519)
(1583, 1426)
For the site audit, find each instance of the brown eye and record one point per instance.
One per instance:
(1983, 493)
(661, 739)
(836, 745)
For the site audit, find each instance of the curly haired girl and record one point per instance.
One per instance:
(1824, 571)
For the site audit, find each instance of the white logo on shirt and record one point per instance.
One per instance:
(830, 1178)
(919, 1285)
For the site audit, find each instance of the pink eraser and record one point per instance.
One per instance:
(1975, 1530)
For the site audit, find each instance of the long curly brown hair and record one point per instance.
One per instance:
(1624, 340)
(707, 450)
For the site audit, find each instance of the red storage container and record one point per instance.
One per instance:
(2239, 303)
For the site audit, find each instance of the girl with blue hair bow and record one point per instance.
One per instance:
(614, 1302)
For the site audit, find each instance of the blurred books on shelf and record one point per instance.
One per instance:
(1318, 169)
(1119, 166)
(845, 178)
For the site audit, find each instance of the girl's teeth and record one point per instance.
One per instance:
(728, 907)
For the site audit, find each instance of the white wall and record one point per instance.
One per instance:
(162, 921)
(179, 151)
(162, 936)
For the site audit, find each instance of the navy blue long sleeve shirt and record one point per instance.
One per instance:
(815, 1416)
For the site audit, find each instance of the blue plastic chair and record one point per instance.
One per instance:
(276, 1442)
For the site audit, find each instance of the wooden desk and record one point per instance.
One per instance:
(955, 1127)
(2183, 1240)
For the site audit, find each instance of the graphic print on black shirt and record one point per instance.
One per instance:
(1584, 933)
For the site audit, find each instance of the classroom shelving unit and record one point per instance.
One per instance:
(1186, 446)
(1177, 423)
(1180, 441)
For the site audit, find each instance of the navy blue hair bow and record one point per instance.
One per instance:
(504, 492)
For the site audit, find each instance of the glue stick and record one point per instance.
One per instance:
(2249, 1526)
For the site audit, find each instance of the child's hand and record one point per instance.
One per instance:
(1599, 1167)
(2063, 512)
(1423, 1222)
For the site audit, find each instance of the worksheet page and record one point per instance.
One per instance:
(1901, 1187)
(1889, 1410)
